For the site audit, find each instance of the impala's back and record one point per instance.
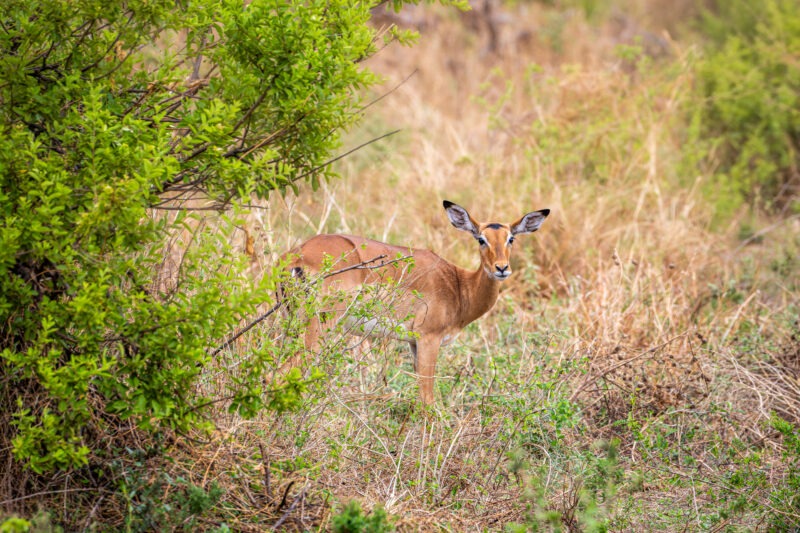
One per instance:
(350, 263)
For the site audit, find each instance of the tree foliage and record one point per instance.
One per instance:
(110, 111)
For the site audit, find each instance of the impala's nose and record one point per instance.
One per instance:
(502, 271)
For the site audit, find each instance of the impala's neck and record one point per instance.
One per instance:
(478, 294)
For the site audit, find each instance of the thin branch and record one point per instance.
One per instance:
(342, 156)
(285, 494)
(175, 182)
(267, 481)
(301, 496)
(757, 235)
(249, 112)
(367, 265)
(390, 91)
(198, 61)
(235, 152)
(182, 208)
(247, 328)
(592, 377)
(47, 493)
(105, 54)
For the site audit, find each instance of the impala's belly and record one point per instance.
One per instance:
(385, 328)
(447, 339)
(381, 327)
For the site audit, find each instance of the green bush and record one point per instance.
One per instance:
(748, 122)
(111, 112)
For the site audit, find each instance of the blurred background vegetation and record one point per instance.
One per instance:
(641, 370)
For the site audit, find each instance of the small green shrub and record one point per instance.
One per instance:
(352, 519)
(100, 128)
(165, 503)
(786, 498)
(588, 485)
(15, 525)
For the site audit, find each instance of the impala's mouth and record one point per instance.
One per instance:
(500, 277)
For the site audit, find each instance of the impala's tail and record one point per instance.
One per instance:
(298, 273)
(297, 277)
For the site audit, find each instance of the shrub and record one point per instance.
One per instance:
(749, 120)
(114, 116)
(101, 126)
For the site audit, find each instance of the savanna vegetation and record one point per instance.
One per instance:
(641, 370)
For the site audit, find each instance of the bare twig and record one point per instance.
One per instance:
(46, 493)
(267, 480)
(757, 235)
(298, 498)
(390, 91)
(367, 265)
(285, 494)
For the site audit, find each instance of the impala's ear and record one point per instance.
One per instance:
(460, 218)
(530, 222)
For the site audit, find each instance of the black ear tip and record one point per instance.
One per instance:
(545, 212)
(447, 204)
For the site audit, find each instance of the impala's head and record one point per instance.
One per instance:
(494, 239)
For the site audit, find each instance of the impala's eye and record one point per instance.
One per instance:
(481, 241)
(511, 240)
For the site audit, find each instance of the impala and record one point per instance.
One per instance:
(438, 298)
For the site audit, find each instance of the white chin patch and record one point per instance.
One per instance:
(498, 277)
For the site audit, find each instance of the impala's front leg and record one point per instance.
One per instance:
(311, 345)
(426, 353)
(413, 344)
